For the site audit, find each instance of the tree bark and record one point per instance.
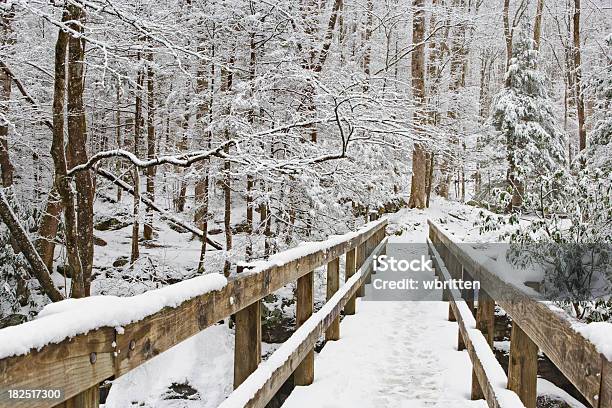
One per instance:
(6, 167)
(418, 190)
(136, 214)
(118, 141)
(227, 177)
(148, 226)
(138, 121)
(537, 27)
(203, 113)
(58, 154)
(77, 144)
(507, 32)
(578, 78)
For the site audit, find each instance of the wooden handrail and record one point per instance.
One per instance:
(535, 326)
(267, 379)
(78, 365)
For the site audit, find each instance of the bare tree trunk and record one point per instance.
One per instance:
(148, 226)
(135, 172)
(537, 27)
(136, 214)
(418, 193)
(507, 32)
(227, 188)
(430, 170)
(118, 141)
(367, 44)
(578, 71)
(250, 182)
(181, 199)
(6, 167)
(60, 165)
(77, 145)
(204, 113)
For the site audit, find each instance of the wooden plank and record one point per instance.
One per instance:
(485, 322)
(333, 284)
(304, 373)
(485, 316)
(477, 355)
(89, 398)
(551, 331)
(359, 263)
(349, 271)
(66, 366)
(247, 342)
(368, 248)
(273, 382)
(523, 366)
(605, 396)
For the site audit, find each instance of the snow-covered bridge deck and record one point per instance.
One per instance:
(392, 353)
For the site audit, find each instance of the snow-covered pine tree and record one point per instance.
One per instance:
(523, 113)
(599, 150)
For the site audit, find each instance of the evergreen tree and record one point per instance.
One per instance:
(523, 115)
(599, 151)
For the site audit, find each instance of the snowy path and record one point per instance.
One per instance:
(391, 354)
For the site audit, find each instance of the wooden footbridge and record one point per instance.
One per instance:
(78, 365)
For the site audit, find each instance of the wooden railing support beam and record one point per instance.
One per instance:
(89, 398)
(304, 374)
(523, 366)
(247, 342)
(350, 268)
(333, 284)
(361, 256)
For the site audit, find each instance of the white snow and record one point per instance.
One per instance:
(71, 317)
(546, 388)
(204, 361)
(598, 333)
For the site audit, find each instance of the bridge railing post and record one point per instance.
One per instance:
(304, 373)
(361, 256)
(350, 268)
(333, 284)
(523, 366)
(247, 342)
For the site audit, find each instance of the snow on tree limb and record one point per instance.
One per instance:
(193, 229)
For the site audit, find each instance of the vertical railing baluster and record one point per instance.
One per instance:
(333, 284)
(304, 373)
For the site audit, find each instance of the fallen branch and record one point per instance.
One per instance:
(39, 269)
(120, 183)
